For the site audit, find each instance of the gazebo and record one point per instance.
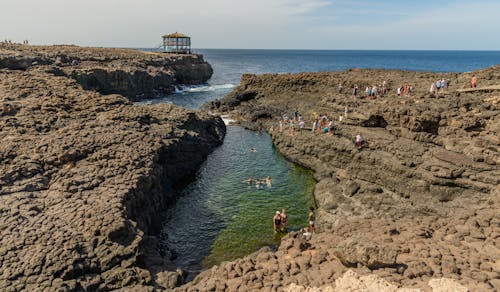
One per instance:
(177, 43)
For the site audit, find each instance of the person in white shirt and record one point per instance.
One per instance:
(359, 140)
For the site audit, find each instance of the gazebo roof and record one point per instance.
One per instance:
(175, 35)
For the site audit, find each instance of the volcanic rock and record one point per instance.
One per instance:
(134, 74)
(418, 201)
(83, 175)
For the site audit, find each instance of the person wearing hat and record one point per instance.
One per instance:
(277, 221)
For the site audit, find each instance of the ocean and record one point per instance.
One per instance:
(229, 65)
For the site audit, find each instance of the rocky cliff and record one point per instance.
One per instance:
(418, 202)
(83, 175)
(131, 73)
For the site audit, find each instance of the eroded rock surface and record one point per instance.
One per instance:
(419, 200)
(131, 73)
(83, 176)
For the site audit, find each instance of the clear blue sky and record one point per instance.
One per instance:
(272, 24)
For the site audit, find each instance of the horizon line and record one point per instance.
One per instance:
(309, 49)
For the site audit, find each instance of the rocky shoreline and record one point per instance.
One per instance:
(84, 173)
(416, 207)
(133, 74)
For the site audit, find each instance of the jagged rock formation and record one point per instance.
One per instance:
(420, 200)
(131, 73)
(83, 176)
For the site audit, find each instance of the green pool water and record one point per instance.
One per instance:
(218, 217)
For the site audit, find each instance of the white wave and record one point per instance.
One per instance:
(202, 88)
(181, 88)
(227, 120)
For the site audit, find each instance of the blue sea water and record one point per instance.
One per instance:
(229, 65)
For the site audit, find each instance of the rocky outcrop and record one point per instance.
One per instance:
(83, 177)
(131, 73)
(301, 265)
(419, 200)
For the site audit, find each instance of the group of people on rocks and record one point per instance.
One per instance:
(405, 90)
(25, 42)
(280, 222)
(376, 90)
(440, 86)
(321, 124)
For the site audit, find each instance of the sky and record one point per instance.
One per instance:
(258, 24)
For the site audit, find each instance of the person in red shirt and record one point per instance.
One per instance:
(473, 81)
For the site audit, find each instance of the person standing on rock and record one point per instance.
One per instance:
(473, 81)
(277, 221)
(433, 88)
(311, 218)
(292, 128)
(340, 87)
(315, 124)
(359, 140)
(355, 95)
(301, 126)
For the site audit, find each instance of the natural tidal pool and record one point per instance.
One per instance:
(218, 217)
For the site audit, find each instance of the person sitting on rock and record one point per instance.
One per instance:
(277, 221)
(284, 220)
(331, 128)
(359, 140)
(311, 218)
(306, 234)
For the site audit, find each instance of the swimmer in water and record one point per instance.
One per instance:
(284, 220)
(253, 150)
(277, 221)
(268, 181)
(249, 180)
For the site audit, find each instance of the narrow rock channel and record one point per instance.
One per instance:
(218, 217)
